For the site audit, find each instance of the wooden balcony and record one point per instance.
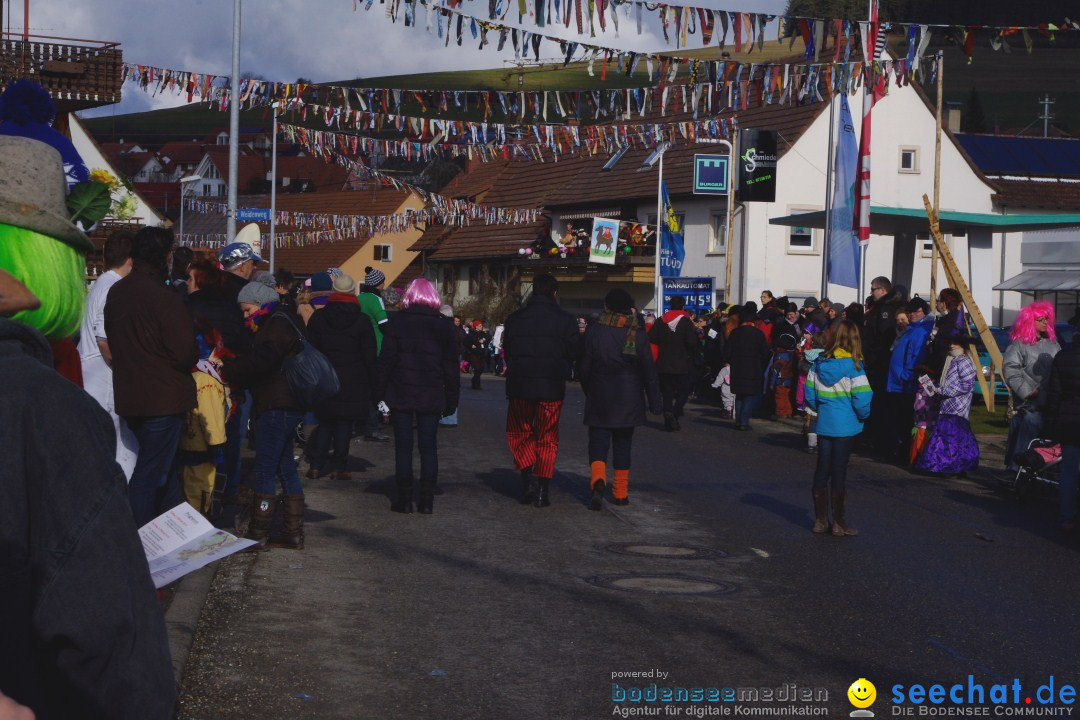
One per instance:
(79, 74)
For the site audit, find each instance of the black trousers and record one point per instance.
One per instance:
(674, 389)
(336, 433)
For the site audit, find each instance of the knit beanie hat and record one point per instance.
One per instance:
(373, 277)
(618, 300)
(321, 282)
(255, 293)
(265, 277)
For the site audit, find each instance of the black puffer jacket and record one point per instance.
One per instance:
(879, 332)
(259, 370)
(343, 333)
(748, 354)
(418, 369)
(1062, 411)
(540, 341)
(216, 308)
(679, 347)
(617, 385)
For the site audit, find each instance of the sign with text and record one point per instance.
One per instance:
(696, 292)
(711, 174)
(757, 165)
(253, 214)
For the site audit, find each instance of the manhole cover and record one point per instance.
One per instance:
(664, 550)
(663, 584)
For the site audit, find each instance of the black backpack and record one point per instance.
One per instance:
(312, 379)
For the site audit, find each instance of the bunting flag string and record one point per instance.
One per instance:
(748, 28)
(709, 90)
(328, 227)
(554, 142)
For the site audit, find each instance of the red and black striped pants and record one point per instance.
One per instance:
(532, 431)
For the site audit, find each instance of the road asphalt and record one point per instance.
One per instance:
(709, 579)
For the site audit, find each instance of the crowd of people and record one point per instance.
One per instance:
(155, 382)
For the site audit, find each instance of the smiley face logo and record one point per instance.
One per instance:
(862, 693)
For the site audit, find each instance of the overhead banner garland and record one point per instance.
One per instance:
(716, 86)
(747, 29)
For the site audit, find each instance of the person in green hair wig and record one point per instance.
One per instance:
(84, 635)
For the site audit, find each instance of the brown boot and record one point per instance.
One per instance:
(821, 510)
(292, 529)
(840, 528)
(262, 513)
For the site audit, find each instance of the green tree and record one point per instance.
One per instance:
(848, 9)
(974, 118)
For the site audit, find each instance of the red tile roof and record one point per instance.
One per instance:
(1042, 194)
(490, 241)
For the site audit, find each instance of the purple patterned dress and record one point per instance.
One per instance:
(952, 447)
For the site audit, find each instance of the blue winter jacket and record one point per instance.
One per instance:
(911, 349)
(840, 394)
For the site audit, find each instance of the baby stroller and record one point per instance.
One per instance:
(1039, 466)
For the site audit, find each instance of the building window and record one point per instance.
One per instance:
(925, 243)
(222, 190)
(802, 240)
(384, 253)
(205, 189)
(909, 160)
(718, 233)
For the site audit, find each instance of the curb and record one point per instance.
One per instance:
(182, 617)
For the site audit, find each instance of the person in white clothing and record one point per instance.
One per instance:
(94, 346)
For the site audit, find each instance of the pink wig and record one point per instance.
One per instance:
(421, 292)
(1024, 329)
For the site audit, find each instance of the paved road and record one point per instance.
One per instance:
(487, 609)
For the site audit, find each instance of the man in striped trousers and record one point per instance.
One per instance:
(540, 343)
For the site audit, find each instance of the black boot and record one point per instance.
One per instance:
(404, 502)
(596, 499)
(542, 499)
(669, 422)
(528, 487)
(425, 505)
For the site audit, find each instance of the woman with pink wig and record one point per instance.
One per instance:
(418, 379)
(1026, 369)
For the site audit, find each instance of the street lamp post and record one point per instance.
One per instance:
(185, 181)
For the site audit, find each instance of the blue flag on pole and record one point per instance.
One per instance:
(843, 241)
(672, 251)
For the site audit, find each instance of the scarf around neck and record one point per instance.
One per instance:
(622, 320)
(258, 318)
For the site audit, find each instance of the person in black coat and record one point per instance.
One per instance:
(748, 354)
(1062, 417)
(418, 378)
(344, 334)
(618, 377)
(540, 341)
(677, 341)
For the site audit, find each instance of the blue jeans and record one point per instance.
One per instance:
(427, 426)
(1070, 470)
(235, 437)
(153, 488)
(745, 407)
(274, 452)
(832, 462)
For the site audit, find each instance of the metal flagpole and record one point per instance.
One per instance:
(937, 180)
(659, 219)
(830, 168)
(234, 125)
(273, 193)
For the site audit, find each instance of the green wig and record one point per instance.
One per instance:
(54, 271)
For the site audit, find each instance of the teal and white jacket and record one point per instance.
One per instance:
(840, 394)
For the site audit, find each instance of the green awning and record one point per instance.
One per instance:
(897, 221)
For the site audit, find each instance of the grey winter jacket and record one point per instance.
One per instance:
(1027, 367)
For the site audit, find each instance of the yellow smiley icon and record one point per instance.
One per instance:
(862, 693)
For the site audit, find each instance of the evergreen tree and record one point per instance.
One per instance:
(974, 118)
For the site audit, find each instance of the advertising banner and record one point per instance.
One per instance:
(697, 292)
(757, 165)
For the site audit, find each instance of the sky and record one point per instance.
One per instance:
(320, 40)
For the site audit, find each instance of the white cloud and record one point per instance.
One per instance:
(323, 40)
